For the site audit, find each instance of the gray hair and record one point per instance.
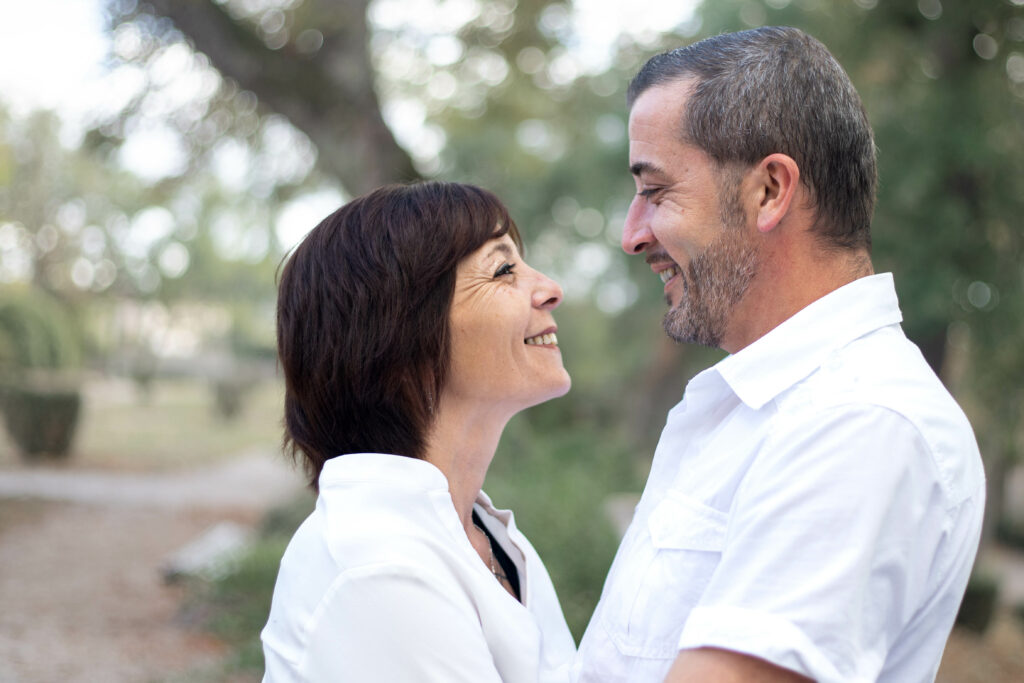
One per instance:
(778, 90)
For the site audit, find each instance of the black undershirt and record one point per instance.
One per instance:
(501, 557)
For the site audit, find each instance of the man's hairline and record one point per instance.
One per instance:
(690, 81)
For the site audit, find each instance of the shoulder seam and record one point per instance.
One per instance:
(952, 501)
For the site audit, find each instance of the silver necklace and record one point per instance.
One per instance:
(498, 573)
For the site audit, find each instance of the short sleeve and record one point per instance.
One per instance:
(830, 542)
(396, 624)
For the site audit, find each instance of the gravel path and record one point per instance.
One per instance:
(253, 480)
(80, 556)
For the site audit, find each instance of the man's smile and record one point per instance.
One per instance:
(668, 273)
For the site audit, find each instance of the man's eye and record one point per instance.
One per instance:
(505, 269)
(648, 192)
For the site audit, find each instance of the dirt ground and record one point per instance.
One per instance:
(82, 598)
(996, 657)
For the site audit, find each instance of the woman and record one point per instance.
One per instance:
(409, 331)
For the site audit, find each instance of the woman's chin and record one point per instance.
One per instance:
(556, 390)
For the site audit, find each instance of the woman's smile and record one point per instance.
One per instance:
(543, 339)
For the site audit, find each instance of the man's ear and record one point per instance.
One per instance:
(776, 178)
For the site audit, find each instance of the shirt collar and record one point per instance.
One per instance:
(380, 467)
(407, 472)
(799, 346)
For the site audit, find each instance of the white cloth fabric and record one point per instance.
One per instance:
(380, 583)
(815, 501)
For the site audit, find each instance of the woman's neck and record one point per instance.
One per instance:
(462, 444)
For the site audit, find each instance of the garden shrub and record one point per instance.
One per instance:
(40, 352)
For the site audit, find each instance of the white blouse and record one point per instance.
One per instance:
(380, 583)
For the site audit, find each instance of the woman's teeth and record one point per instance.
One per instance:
(668, 273)
(543, 339)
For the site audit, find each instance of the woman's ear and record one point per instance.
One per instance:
(777, 178)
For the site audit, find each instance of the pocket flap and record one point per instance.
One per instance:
(681, 523)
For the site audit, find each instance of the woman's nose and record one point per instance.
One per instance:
(547, 294)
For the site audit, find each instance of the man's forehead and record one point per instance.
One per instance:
(657, 115)
(668, 97)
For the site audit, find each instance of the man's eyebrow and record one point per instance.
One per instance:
(644, 167)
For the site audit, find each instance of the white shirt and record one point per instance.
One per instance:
(380, 583)
(815, 501)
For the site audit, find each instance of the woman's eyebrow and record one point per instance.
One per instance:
(503, 248)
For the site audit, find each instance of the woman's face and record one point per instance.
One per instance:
(505, 356)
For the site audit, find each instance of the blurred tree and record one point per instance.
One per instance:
(308, 61)
(76, 225)
(53, 202)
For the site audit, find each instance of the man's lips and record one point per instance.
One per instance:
(664, 267)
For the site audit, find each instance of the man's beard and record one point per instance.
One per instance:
(713, 283)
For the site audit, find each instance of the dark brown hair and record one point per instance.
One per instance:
(363, 318)
(777, 89)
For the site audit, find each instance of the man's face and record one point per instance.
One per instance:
(688, 220)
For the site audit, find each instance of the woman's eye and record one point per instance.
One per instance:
(505, 269)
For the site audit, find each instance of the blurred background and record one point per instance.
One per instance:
(158, 159)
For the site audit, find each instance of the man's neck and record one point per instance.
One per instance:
(785, 286)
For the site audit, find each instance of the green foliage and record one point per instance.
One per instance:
(38, 344)
(235, 607)
(283, 520)
(36, 331)
(75, 224)
(1010, 533)
(979, 602)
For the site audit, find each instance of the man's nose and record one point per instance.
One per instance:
(636, 233)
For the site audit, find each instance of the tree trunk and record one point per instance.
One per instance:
(329, 94)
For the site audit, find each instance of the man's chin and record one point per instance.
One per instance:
(672, 299)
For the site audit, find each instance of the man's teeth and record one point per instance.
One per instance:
(668, 273)
(543, 339)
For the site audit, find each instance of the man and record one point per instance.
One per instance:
(815, 501)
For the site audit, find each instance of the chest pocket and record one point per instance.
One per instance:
(666, 577)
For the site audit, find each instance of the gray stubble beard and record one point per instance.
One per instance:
(714, 282)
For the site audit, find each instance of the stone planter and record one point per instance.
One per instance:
(41, 418)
